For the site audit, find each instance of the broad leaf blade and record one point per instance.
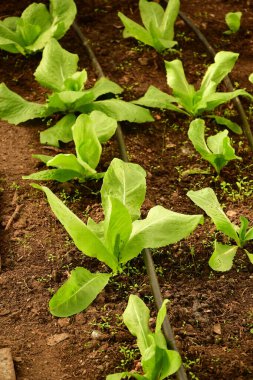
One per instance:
(85, 240)
(161, 227)
(126, 182)
(60, 175)
(250, 256)
(78, 292)
(88, 148)
(169, 19)
(63, 13)
(119, 110)
(177, 81)
(105, 86)
(136, 318)
(158, 99)
(56, 66)
(234, 127)
(224, 62)
(61, 131)
(233, 21)
(132, 29)
(151, 12)
(222, 257)
(207, 200)
(104, 125)
(161, 316)
(15, 109)
(117, 226)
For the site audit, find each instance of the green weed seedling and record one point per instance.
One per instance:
(157, 361)
(89, 131)
(158, 30)
(223, 255)
(189, 101)
(216, 149)
(117, 239)
(233, 21)
(57, 71)
(36, 26)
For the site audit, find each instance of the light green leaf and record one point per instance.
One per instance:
(222, 257)
(9, 40)
(207, 200)
(136, 318)
(84, 239)
(119, 110)
(56, 66)
(177, 81)
(160, 228)
(76, 81)
(117, 226)
(218, 98)
(218, 150)
(63, 13)
(249, 234)
(67, 162)
(42, 157)
(78, 292)
(126, 375)
(251, 77)
(161, 316)
(68, 101)
(234, 127)
(105, 86)
(233, 21)
(151, 12)
(15, 109)
(61, 131)
(88, 148)
(243, 229)
(126, 182)
(224, 62)
(158, 99)
(104, 125)
(169, 19)
(60, 175)
(132, 29)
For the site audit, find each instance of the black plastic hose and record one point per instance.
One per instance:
(148, 260)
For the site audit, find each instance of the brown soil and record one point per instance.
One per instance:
(211, 313)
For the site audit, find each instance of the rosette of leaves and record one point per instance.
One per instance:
(157, 361)
(223, 255)
(216, 149)
(158, 30)
(33, 29)
(89, 131)
(189, 101)
(57, 72)
(117, 239)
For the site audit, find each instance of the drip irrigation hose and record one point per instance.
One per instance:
(148, 260)
(245, 124)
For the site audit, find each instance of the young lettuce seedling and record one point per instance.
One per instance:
(118, 238)
(216, 149)
(158, 30)
(30, 32)
(57, 71)
(223, 255)
(157, 361)
(233, 21)
(187, 100)
(89, 131)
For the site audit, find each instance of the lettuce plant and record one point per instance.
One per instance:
(187, 100)
(216, 149)
(233, 21)
(118, 238)
(158, 30)
(57, 71)
(157, 361)
(223, 255)
(89, 131)
(30, 32)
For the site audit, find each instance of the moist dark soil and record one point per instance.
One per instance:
(211, 313)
